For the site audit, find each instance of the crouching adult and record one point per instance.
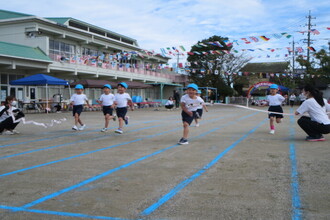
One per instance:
(318, 123)
(9, 115)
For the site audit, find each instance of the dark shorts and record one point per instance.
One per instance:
(121, 112)
(187, 118)
(276, 108)
(169, 106)
(200, 112)
(107, 110)
(77, 109)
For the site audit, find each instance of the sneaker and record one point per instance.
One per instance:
(197, 115)
(75, 128)
(308, 138)
(197, 125)
(183, 141)
(15, 132)
(272, 132)
(119, 131)
(8, 133)
(82, 127)
(104, 130)
(126, 120)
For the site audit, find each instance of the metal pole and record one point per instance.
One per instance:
(293, 56)
(308, 35)
(47, 98)
(177, 63)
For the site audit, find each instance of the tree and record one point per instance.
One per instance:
(318, 69)
(212, 65)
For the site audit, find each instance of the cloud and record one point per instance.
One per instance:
(162, 23)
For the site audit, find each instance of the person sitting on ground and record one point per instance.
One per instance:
(8, 115)
(169, 105)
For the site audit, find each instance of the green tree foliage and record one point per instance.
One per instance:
(218, 69)
(319, 67)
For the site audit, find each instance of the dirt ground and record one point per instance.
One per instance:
(231, 169)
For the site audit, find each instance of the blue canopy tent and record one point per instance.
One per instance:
(40, 79)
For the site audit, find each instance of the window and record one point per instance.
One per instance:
(87, 51)
(12, 77)
(60, 48)
(97, 31)
(79, 26)
(4, 79)
(127, 41)
(112, 36)
(3, 93)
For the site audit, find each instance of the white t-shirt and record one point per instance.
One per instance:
(107, 100)
(169, 102)
(201, 106)
(4, 116)
(292, 97)
(78, 99)
(122, 99)
(192, 104)
(275, 99)
(314, 110)
(302, 97)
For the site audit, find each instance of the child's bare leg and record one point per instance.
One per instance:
(76, 118)
(271, 123)
(278, 120)
(121, 122)
(80, 122)
(106, 118)
(185, 130)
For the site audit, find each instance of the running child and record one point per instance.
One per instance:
(274, 101)
(316, 106)
(200, 109)
(122, 99)
(78, 100)
(189, 103)
(107, 100)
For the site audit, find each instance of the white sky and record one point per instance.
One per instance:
(158, 24)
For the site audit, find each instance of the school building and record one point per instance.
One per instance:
(74, 50)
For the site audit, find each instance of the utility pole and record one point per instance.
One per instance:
(293, 57)
(177, 63)
(309, 25)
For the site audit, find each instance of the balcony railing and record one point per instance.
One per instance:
(125, 67)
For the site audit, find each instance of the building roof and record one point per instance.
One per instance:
(60, 20)
(23, 52)
(10, 14)
(270, 67)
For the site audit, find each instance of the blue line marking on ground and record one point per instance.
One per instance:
(92, 179)
(184, 183)
(75, 142)
(68, 214)
(295, 197)
(59, 136)
(90, 152)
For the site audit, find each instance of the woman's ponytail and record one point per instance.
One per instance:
(317, 94)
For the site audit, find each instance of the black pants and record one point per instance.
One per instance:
(8, 124)
(313, 128)
(291, 103)
(177, 103)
